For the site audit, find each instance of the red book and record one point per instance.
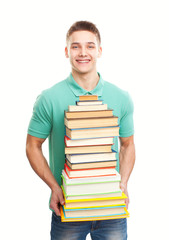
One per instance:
(91, 172)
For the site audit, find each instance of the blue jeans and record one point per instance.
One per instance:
(114, 229)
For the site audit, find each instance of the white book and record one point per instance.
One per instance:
(94, 196)
(87, 103)
(86, 180)
(75, 108)
(90, 187)
(89, 141)
(93, 157)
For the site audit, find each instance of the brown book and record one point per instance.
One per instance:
(92, 132)
(88, 149)
(88, 97)
(89, 114)
(91, 164)
(91, 122)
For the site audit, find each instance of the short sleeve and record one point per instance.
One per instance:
(126, 121)
(41, 121)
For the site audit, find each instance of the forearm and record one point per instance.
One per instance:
(127, 160)
(40, 165)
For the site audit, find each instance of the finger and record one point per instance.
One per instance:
(127, 203)
(56, 209)
(62, 200)
(122, 187)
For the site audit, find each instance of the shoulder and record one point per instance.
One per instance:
(118, 92)
(55, 88)
(56, 91)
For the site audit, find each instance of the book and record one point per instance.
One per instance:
(107, 171)
(87, 142)
(88, 149)
(65, 219)
(91, 157)
(93, 212)
(89, 179)
(72, 190)
(82, 133)
(88, 97)
(75, 108)
(97, 202)
(93, 196)
(91, 122)
(90, 197)
(89, 114)
(86, 103)
(105, 204)
(111, 163)
(88, 188)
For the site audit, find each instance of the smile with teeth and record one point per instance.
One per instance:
(83, 61)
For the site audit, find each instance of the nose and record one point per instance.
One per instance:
(82, 52)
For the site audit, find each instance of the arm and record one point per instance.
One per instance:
(41, 167)
(127, 160)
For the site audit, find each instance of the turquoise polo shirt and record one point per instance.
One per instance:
(48, 115)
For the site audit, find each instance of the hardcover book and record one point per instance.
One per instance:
(91, 122)
(88, 149)
(87, 142)
(91, 157)
(106, 171)
(89, 114)
(88, 97)
(87, 108)
(91, 164)
(82, 133)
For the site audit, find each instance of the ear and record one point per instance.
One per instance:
(66, 52)
(99, 52)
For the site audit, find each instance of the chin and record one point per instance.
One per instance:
(82, 71)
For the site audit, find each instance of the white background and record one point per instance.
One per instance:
(135, 41)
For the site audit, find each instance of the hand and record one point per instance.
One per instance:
(57, 198)
(124, 189)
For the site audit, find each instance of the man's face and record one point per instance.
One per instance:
(83, 50)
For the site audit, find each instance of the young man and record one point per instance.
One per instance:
(83, 49)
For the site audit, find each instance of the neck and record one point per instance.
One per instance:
(87, 81)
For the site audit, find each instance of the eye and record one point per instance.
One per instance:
(75, 47)
(91, 47)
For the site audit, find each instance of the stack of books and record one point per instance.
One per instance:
(90, 182)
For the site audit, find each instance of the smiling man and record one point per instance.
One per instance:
(83, 49)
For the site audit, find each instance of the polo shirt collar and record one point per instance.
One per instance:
(78, 90)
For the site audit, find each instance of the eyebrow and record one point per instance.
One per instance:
(86, 42)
